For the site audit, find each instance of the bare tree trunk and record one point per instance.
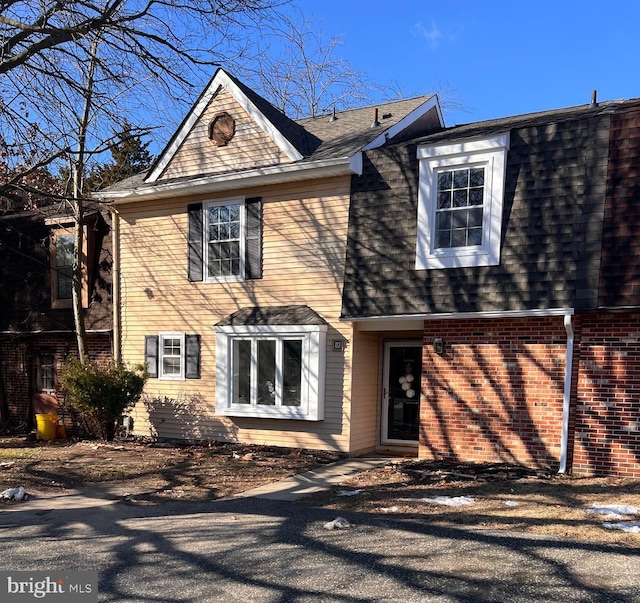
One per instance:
(79, 260)
(78, 312)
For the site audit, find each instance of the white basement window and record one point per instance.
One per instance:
(460, 198)
(272, 372)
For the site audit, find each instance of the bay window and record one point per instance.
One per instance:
(271, 371)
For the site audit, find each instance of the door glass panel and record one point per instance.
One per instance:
(403, 389)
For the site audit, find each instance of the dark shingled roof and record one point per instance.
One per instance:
(352, 129)
(553, 209)
(278, 315)
(527, 120)
(321, 137)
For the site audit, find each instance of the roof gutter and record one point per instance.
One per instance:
(459, 315)
(342, 166)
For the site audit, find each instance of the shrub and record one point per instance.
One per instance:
(102, 393)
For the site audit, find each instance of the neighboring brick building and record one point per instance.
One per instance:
(36, 321)
(530, 333)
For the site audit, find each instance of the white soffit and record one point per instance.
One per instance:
(406, 121)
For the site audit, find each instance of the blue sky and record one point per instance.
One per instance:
(501, 57)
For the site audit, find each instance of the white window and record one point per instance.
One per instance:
(45, 373)
(460, 198)
(224, 238)
(271, 371)
(171, 361)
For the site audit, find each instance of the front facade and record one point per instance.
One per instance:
(231, 261)
(373, 281)
(506, 249)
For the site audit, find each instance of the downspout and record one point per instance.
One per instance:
(115, 244)
(566, 400)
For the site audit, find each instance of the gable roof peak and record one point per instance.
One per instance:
(283, 131)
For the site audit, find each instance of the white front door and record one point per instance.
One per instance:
(401, 391)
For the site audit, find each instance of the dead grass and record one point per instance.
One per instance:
(505, 497)
(151, 471)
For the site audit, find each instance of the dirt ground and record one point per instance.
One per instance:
(150, 471)
(492, 496)
(502, 497)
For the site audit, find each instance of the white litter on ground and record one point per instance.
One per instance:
(450, 501)
(339, 523)
(625, 526)
(393, 509)
(14, 494)
(613, 511)
(348, 492)
(511, 503)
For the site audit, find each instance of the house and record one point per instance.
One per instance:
(36, 323)
(373, 280)
(231, 261)
(508, 250)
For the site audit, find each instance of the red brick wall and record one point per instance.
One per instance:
(607, 417)
(15, 365)
(496, 393)
(18, 366)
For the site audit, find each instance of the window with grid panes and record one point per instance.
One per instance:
(460, 198)
(459, 207)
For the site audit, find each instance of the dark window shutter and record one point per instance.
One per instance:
(192, 363)
(195, 241)
(151, 354)
(254, 238)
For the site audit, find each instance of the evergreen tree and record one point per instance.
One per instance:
(129, 155)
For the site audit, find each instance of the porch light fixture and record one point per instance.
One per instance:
(438, 346)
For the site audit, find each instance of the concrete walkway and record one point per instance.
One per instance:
(324, 477)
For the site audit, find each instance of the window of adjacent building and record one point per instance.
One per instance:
(61, 252)
(460, 200)
(173, 356)
(45, 373)
(64, 264)
(271, 372)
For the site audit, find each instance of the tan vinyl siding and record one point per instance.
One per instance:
(303, 257)
(250, 147)
(365, 401)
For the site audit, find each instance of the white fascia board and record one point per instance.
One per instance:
(221, 79)
(406, 121)
(186, 127)
(257, 330)
(539, 312)
(343, 166)
(465, 147)
(283, 143)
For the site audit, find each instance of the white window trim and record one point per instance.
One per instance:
(183, 352)
(490, 153)
(205, 243)
(313, 371)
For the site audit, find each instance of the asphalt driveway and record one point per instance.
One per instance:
(268, 551)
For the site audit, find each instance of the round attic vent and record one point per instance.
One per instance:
(222, 129)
